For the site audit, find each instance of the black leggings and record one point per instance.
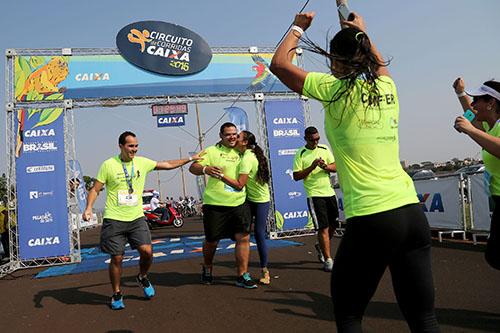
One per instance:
(492, 253)
(398, 239)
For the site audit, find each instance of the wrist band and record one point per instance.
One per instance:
(221, 176)
(462, 94)
(203, 170)
(298, 29)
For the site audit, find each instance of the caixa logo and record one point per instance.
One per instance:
(44, 241)
(436, 203)
(295, 215)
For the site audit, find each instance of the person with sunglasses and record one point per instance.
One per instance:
(124, 176)
(485, 131)
(313, 164)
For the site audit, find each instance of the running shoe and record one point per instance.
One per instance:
(265, 277)
(321, 258)
(328, 265)
(146, 286)
(245, 281)
(117, 301)
(206, 275)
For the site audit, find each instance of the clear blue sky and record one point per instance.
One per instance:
(431, 42)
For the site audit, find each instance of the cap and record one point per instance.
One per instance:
(484, 90)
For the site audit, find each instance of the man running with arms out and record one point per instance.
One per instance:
(313, 163)
(225, 214)
(124, 176)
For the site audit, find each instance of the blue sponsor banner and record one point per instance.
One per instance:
(42, 213)
(171, 120)
(110, 76)
(285, 131)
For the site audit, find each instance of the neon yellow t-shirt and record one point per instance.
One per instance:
(363, 132)
(112, 175)
(317, 183)
(256, 192)
(491, 162)
(218, 193)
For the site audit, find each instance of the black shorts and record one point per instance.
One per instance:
(224, 222)
(115, 235)
(324, 212)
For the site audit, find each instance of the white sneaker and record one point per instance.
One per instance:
(321, 258)
(328, 265)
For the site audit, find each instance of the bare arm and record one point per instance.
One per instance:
(465, 101)
(236, 184)
(488, 142)
(281, 64)
(172, 164)
(298, 175)
(93, 193)
(332, 167)
(198, 170)
(359, 23)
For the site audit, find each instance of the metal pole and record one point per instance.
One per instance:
(182, 174)
(159, 183)
(200, 138)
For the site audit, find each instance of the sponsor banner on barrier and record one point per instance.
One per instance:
(163, 48)
(440, 200)
(285, 127)
(480, 202)
(42, 215)
(171, 120)
(111, 76)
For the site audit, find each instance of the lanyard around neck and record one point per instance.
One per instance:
(128, 178)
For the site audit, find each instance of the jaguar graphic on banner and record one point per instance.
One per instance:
(42, 215)
(163, 48)
(285, 128)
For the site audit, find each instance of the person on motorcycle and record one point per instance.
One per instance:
(156, 207)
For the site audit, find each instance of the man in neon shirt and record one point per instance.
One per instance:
(225, 214)
(313, 163)
(124, 176)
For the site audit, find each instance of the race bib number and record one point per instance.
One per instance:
(127, 199)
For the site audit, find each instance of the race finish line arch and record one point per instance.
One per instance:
(45, 86)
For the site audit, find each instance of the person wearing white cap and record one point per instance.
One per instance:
(485, 130)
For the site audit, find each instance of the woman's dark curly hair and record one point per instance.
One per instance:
(263, 169)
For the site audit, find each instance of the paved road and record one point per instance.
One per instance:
(467, 291)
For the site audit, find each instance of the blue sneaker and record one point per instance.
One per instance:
(146, 286)
(245, 281)
(117, 301)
